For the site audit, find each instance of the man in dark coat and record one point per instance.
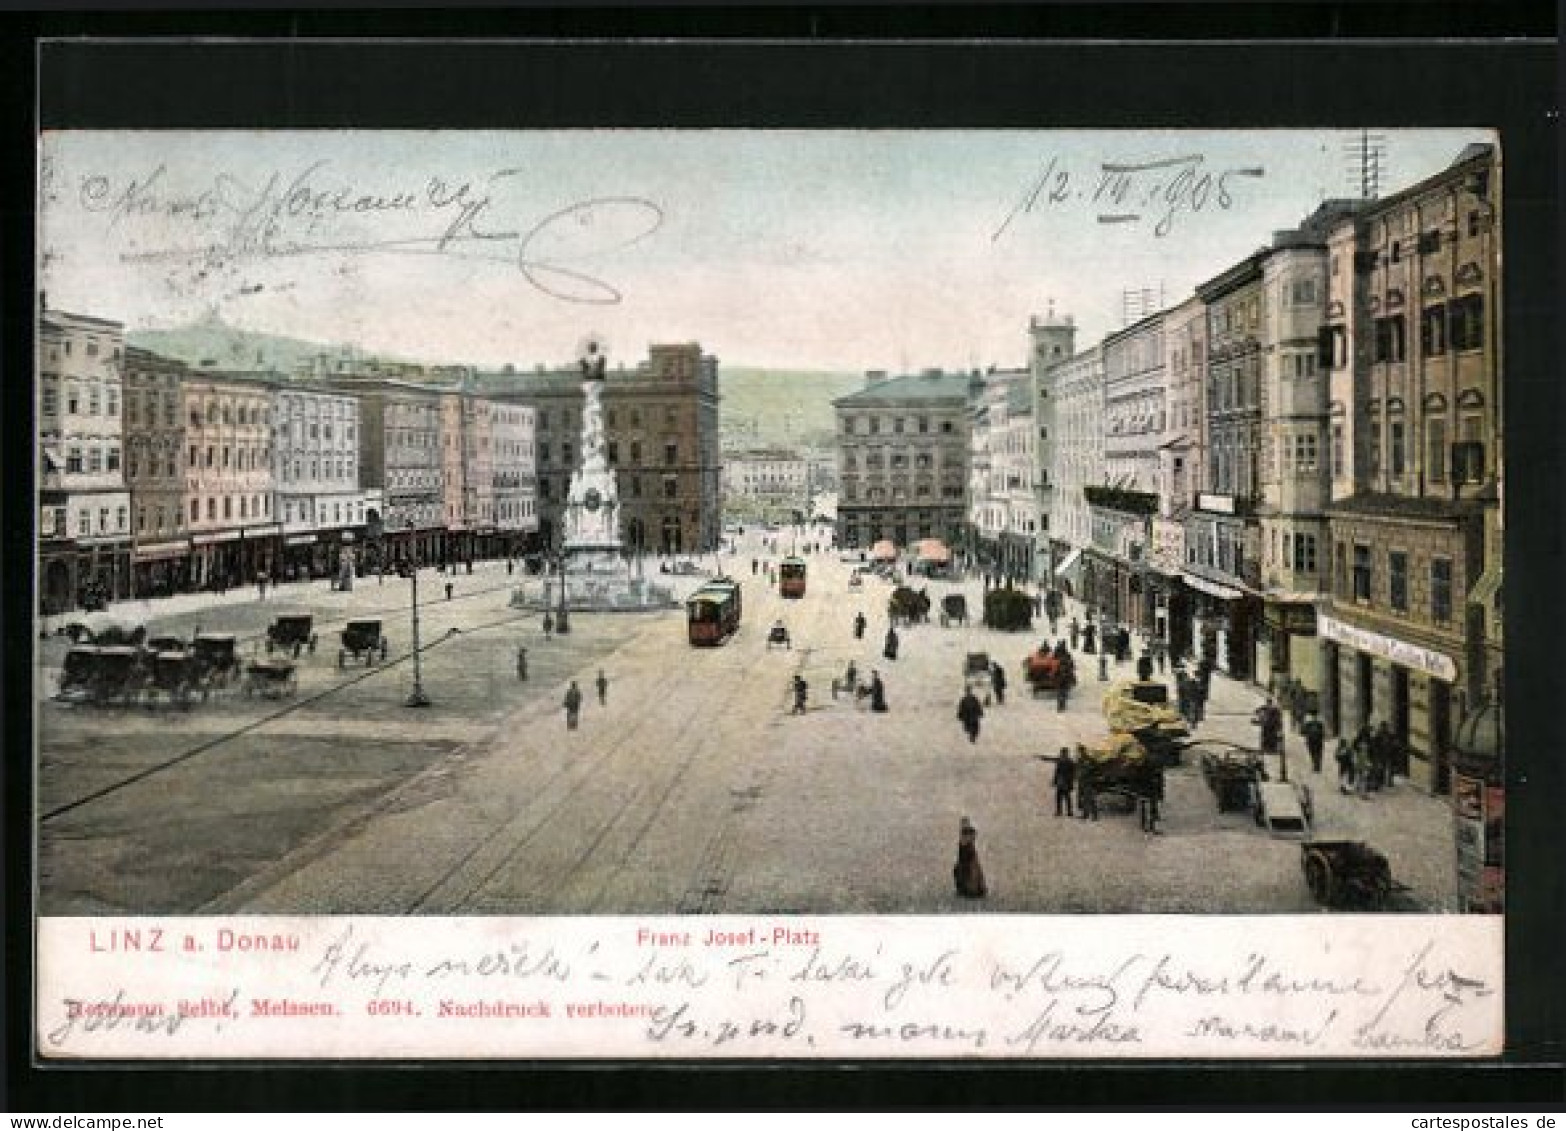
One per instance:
(1076, 634)
(890, 648)
(1315, 739)
(859, 626)
(1065, 781)
(573, 705)
(877, 693)
(998, 682)
(969, 713)
(967, 874)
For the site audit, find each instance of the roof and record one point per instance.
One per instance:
(916, 387)
(1019, 399)
(1375, 504)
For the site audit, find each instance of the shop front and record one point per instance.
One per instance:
(1288, 647)
(1410, 686)
(160, 569)
(1226, 621)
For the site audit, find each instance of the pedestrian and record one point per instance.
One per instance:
(1065, 781)
(754, 567)
(449, 588)
(1076, 634)
(1089, 634)
(968, 875)
(859, 626)
(1087, 788)
(521, 663)
(549, 625)
(510, 566)
(877, 693)
(1160, 654)
(603, 688)
(261, 585)
(801, 694)
(1198, 701)
(1151, 799)
(890, 648)
(1362, 761)
(1062, 691)
(1183, 695)
(1144, 667)
(1344, 756)
(573, 705)
(998, 682)
(969, 713)
(1269, 720)
(1054, 624)
(1383, 752)
(1315, 739)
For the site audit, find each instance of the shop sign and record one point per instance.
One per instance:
(1223, 504)
(1168, 546)
(1389, 648)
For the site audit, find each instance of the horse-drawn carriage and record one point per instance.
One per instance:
(1346, 874)
(954, 610)
(100, 674)
(291, 632)
(172, 671)
(1047, 670)
(908, 606)
(1237, 776)
(362, 638)
(271, 678)
(1120, 768)
(216, 659)
(777, 636)
(976, 674)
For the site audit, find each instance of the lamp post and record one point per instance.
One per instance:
(416, 698)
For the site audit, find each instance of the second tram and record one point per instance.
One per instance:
(712, 613)
(791, 577)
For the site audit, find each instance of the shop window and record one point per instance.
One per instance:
(1441, 590)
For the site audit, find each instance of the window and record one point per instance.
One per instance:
(875, 425)
(112, 461)
(671, 454)
(195, 510)
(636, 486)
(72, 398)
(946, 426)
(1435, 449)
(1432, 331)
(228, 506)
(1337, 451)
(897, 425)
(244, 507)
(636, 451)
(73, 461)
(1473, 223)
(94, 460)
(1467, 318)
(94, 396)
(1397, 580)
(141, 519)
(1397, 252)
(1305, 452)
(51, 398)
(543, 452)
(1304, 553)
(112, 402)
(1375, 447)
(1362, 576)
(1390, 344)
(1430, 242)
(1441, 590)
(84, 524)
(671, 486)
(924, 424)
(614, 452)
(1396, 429)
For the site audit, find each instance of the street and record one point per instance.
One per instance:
(692, 790)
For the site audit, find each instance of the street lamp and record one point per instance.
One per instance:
(416, 698)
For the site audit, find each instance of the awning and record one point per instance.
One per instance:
(1292, 596)
(884, 551)
(932, 550)
(1069, 560)
(1211, 588)
(299, 540)
(160, 551)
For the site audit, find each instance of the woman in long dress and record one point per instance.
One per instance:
(968, 875)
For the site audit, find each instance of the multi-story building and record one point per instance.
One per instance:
(228, 475)
(903, 459)
(453, 477)
(766, 483)
(1180, 471)
(1076, 386)
(155, 454)
(1412, 625)
(515, 476)
(478, 476)
(661, 435)
(1053, 340)
(986, 509)
(319, 498)
(1223, 539)
(401, 456)
(1135, 413)
(1014, 452)
(1295, 476)
(83, 504)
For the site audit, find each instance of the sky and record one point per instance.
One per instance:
(835, 250)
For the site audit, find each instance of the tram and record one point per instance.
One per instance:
(791, 577)
(712, 613)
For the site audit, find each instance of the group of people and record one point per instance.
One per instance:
(1191, 691)
(573, 697)
(1370, 760)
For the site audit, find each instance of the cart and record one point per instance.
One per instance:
(1047, 670)
(117, 673)
(1284, 808)
(172, 672)
(361, 638)
(777, 637)
(271, 678)
(77, 673)
(291, 632)
(1233, 776)
(217, 661)
(1346, 874)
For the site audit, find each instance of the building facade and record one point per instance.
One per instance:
(766, 483)
(228, 476)
(903, 449)
(83, 504)
(1076, 386)
(1223, 538)
(320, 500)
(155, 466)
(1412, 625)
(515, 475)
(401, 456)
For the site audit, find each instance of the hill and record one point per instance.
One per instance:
(213, 341)
(783, 407)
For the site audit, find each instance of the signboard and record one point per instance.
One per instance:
(1167, 554)
(1401, 652)
(1223, 504)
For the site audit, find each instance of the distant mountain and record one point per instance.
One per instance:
(213, 341)
(780, 407)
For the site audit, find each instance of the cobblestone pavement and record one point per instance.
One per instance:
(694, 789)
